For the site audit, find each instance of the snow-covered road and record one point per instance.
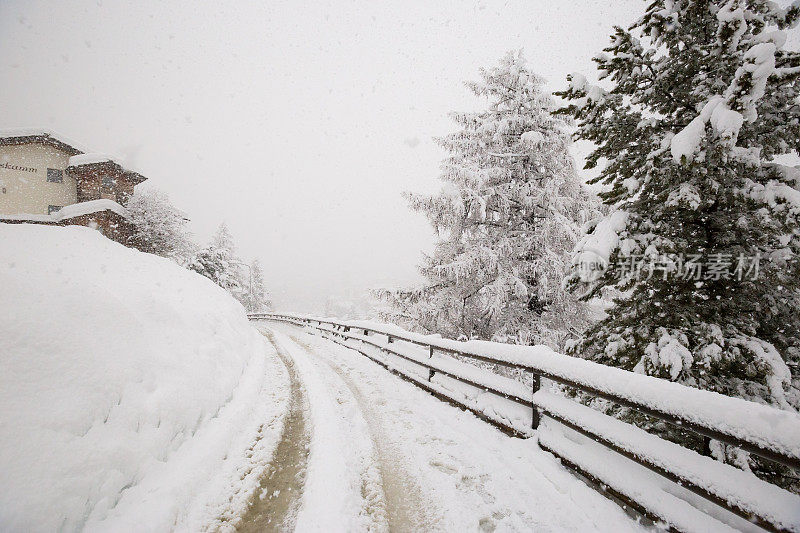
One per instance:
(366, 450)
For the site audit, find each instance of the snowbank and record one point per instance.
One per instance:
(133, 391)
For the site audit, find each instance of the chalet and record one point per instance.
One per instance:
(48, 179)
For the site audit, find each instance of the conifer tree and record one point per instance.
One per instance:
(219, 263)
(159, 227)
(701, 99)
(257, 297)
(507, 219)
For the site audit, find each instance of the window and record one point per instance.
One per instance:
(53, 208)
(108, 182)
(55, 175)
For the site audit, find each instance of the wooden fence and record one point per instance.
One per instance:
(668, 460)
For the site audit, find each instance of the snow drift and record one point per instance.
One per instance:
(134, 392)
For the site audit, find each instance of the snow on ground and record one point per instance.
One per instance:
(136, 396)
(385, 454)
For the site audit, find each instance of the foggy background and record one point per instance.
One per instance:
(298, 124)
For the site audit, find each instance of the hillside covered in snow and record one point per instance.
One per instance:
(136, 395)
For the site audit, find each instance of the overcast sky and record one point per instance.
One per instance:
(297, 123)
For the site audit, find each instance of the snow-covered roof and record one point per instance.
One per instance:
(72, 211)
(91, 158)
(97, 158)
(24, 217)
(18, 133)
(92, 206)
(81, 155)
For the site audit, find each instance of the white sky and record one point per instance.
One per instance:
(299, 124)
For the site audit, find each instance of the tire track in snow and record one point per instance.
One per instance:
(277, 499)
(406, 508)
(342, 489)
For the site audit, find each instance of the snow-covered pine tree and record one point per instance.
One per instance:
(219, 263)
(507, 219)
(159, 227)
(257, 297)
(702, 98)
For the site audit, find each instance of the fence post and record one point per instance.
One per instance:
(430, 356)
(537, 383)
(389, 339)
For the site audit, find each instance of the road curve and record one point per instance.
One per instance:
(384, 455)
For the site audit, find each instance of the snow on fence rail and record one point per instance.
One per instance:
(762, 430)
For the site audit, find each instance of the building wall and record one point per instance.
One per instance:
(108, 223)
(124, 190)
(24, 188)
(91, 187)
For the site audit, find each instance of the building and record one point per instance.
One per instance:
(48, 179)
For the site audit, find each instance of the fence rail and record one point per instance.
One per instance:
(628, 392)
